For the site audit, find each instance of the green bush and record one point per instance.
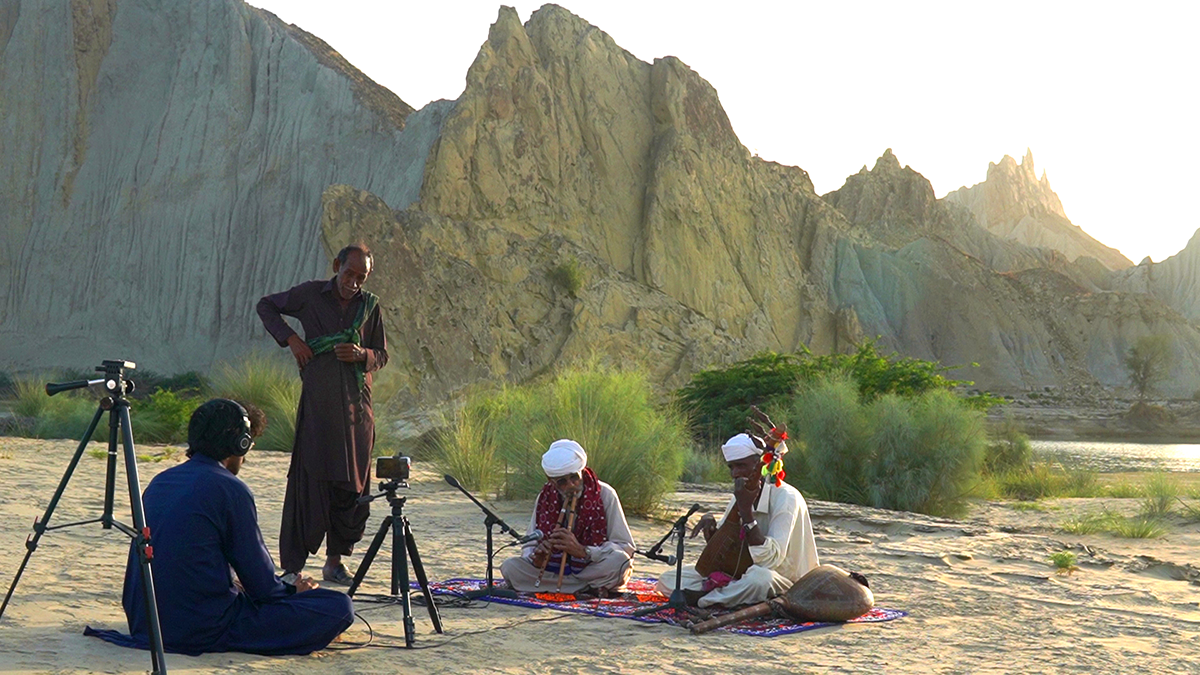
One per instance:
(163, 417)
(272, 386)
(921, 453)
(569, 276)
(632, 444)
(190, 382)
(719, 399)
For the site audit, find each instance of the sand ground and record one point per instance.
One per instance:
(981, 594)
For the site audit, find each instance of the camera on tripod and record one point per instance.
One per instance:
(393, 468)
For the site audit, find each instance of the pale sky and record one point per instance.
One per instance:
(1105, 94)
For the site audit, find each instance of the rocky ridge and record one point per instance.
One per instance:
(255, 141)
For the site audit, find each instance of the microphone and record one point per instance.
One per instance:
(451, 480)
(695, 508)
(532, 536)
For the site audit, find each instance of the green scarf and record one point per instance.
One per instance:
(326, 343)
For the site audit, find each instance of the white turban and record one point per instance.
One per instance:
(564, 456)
(739, 447)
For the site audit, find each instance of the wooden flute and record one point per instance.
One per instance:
(567, 514)
(562, 563)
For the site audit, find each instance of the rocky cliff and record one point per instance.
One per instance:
(573, 202)
(1013, 203)
(1175, 281)
(162, 163)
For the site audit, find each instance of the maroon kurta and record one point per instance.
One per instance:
(335, 425)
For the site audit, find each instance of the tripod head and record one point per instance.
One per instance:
(114, 380)
(387, 488)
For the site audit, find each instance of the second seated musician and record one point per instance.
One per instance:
(599, 545)
(773, 525)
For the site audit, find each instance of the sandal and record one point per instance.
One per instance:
(337, 576)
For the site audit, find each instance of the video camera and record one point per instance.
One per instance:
(393, 468)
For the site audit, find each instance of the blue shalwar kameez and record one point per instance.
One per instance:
(204, 528)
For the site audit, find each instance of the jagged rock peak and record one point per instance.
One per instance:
(886, 161)
(1013, 203)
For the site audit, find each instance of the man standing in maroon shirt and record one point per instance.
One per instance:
(335, 426)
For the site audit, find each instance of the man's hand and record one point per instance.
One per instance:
(542, 553)
(744, 496)
(707, 525)
(562, 539)
(350, 353)
(305, 583)
(300, 350)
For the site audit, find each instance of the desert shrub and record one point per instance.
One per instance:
(704, 466)
(1064, 562)
(1160, 492)
(921, 453)
(269, 384)
(163, 417)
(719, 399)
(1008, 449)
(1196, 395)
(568, 275)
(1149, 416)
(8, 387)
(632, 444)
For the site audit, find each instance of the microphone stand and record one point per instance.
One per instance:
(490, 520)
(677, 601)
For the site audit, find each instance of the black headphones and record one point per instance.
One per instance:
(224, 424)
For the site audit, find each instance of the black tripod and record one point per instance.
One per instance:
(677, 601)
(397, 524)
(118, 423)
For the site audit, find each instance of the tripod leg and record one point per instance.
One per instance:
(142, 539)
(400, 576)
(39, 526)
(110, 475)
(411, 544)
(361, 572)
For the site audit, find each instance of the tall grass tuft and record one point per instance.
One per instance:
(1160, 491)
(921, 453)
(269, 384)
(64, 415)
(465, 451)
(1044, 480)
(631, 443)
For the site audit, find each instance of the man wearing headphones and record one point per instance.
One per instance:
(205, 530)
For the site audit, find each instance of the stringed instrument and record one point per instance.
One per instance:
(826, 593)
(726, 550)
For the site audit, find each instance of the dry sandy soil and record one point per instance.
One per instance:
(981, 594)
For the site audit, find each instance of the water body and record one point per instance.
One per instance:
(1113, 457)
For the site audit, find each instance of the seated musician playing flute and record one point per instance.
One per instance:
(773, 522)
(599, 546)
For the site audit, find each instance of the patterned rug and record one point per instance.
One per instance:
(640, 593)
